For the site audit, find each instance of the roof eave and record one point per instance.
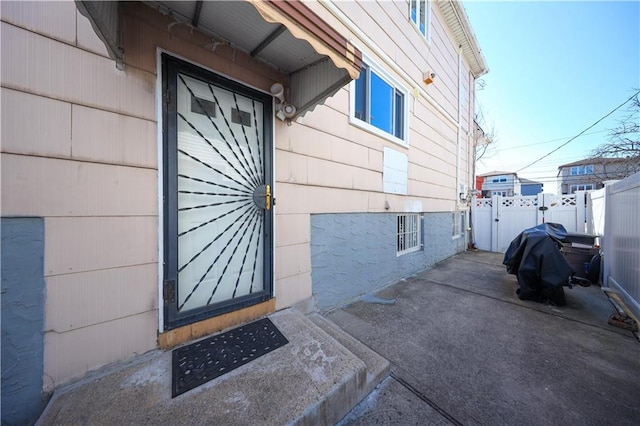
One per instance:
(458, 21)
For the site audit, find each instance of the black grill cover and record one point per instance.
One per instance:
(535, 259)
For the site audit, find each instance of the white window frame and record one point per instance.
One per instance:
(390, 80)
(408, 233)
(586, 169)
(581, 187)
(427, 16)
(457, 227)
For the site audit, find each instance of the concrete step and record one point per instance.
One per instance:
(378, 368)
(313, 380)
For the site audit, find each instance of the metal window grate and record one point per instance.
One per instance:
(409, 235)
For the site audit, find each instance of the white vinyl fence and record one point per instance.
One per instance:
(595, 211)
(612, 212)
(498, 220)
(622, 241)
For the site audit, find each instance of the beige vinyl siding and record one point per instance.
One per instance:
(79, 149)
(466, 113)
(21, 136)
(53, 187)
(61, 71)
(445, 54)
(324, 151)
(324, 164)
(415, 62)
(69, 355)
(56, 20)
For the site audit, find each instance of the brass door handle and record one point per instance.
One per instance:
(267, 198)
(262, 197)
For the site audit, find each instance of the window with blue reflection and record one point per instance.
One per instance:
(382, 96)
(414, 11)
(361, 97)
(581, 170)
(379, 103)
(418, 13)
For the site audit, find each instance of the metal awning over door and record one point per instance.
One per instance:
(286, 35)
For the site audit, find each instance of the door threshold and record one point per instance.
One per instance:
(177, 336)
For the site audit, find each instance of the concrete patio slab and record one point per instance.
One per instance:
(459, 336)
(391, 403)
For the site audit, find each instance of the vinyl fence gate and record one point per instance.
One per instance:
(498, 220)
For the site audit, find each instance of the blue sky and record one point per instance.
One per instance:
(555, 68)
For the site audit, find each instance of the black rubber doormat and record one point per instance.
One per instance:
(199, 362)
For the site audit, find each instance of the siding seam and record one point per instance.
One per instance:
(72, 45)
(124, 114)
(111, 268)
(78, 160)
(332, 161)
(100, 322)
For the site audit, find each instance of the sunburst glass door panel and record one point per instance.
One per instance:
(221, 204)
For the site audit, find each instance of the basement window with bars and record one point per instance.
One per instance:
(409, 235)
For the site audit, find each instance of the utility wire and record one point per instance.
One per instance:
(547, 141)
(579, 134)
(551, 163)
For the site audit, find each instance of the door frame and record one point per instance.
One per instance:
(169, 66)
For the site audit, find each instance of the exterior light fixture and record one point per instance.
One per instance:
(284, 110)
(277, 91)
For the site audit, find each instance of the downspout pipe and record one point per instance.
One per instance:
(459, 130)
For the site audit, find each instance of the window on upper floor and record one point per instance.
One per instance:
(420, 14)
(586, 169)
(380, 104)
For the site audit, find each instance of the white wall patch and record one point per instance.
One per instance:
(394, 171)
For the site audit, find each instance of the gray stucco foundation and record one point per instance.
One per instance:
(356, 254)
(23, 291)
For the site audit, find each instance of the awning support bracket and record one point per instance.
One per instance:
(106, 19)
(196, 14)
(267, 41)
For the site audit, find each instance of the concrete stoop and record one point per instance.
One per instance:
(314, 380)
(377, 367)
